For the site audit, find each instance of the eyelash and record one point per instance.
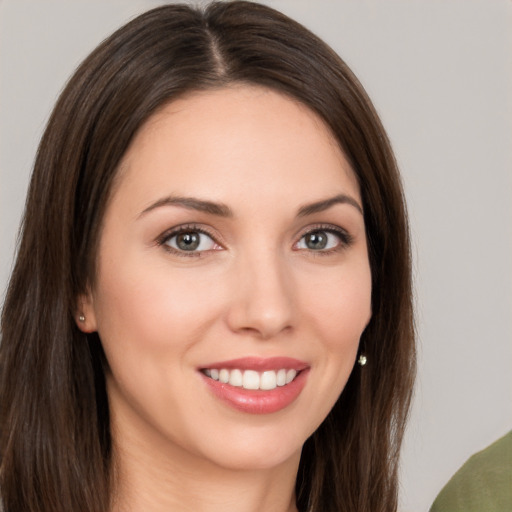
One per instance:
(188, 228)
(346, 240)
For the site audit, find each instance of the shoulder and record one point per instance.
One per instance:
(482, 483)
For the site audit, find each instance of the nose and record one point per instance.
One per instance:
(262, 303)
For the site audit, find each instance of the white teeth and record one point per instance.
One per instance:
(290, 375)
(235, 378)
(268, 380)
(250, 379)
(281, 377)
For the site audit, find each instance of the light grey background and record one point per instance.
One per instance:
(439, 73)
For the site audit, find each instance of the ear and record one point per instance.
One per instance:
(85, 316)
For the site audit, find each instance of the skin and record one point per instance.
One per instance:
(256, 289)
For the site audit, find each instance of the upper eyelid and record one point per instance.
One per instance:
(323, 227)
(184, 228)
(333, 228)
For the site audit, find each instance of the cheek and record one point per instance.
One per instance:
(150, 312)
(336, 312)
(340, 308)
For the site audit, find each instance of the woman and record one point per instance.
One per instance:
(215, 232)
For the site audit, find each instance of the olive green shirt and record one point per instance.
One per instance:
(482, 484)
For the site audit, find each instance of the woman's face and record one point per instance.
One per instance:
(233, 280)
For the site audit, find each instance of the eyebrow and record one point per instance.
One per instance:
(325, 204)
(191, 203)
(222, 210)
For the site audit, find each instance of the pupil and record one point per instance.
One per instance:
(316, 240)
(188, 241)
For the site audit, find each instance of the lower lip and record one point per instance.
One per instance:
(258, 401)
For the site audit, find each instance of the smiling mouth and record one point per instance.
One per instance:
(256, 385)
(251, 379)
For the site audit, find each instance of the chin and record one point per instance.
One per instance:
(254, 449)
(258, 460)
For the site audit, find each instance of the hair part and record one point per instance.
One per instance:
(55, 440)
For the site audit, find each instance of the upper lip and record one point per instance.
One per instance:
(259, 364)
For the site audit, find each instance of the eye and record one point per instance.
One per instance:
(188, 240)
(324, 240)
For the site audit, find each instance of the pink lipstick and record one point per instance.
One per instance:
(256, 385)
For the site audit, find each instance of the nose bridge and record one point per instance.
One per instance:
(263, 293)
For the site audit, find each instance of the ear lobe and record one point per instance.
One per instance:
(85, 316)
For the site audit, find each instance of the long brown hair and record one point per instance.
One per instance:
(55, 440)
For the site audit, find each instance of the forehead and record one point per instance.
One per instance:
(237, 139)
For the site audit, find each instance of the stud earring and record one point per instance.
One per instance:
(81, 318)
(362, 360)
